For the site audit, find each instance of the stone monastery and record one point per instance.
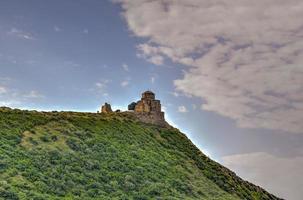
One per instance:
(148, 109)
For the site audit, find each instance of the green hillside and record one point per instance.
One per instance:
(68, 155)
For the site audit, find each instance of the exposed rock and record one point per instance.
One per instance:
(106, 108)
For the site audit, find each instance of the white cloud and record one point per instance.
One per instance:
(175, 94)
(9, 103)
(125, 67)
(3, 90)
(13, 97)
(20, 34)
(244, 58)
(101, 85)
(157, 60)
(182, 109)
(85, 31)
(152, 79)
(70, 63)
(33, 94)
(124, 83)
(151, 54)
(281, 176)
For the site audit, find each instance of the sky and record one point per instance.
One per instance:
(229, 74)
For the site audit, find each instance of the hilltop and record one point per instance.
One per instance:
(70, 155)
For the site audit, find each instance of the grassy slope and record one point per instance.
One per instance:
(94, 156)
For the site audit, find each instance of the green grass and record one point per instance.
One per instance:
(87, 156)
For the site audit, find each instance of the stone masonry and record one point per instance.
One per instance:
(148, 109)
(106, 108)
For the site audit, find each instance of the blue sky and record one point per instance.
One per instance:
(215, 81)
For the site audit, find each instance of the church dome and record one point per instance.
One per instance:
(148, 95)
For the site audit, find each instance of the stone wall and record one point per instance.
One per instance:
(106, 108)
(153, 118)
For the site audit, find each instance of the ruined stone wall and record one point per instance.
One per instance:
(106, 108)
(148, 109)
(142, 106)
(155, 106)
(152, 118)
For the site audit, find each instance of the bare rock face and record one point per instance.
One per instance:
(106, 108)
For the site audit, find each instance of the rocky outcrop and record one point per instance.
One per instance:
(106, 108)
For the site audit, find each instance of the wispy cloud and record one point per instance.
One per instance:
(20, 34)
(70, 63)
(152, 79)
(33, 95)
(102, 85)
(125, 67)
(14, 97)
(85, 31)
(151, 54)
(9, 103)
(182, 109)
(243, 59)
(175, 94)
(4, 82)
(3, 90)
(124, 83)
(57, 29)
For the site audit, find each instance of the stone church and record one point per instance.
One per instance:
(148, 109)
(148, 104)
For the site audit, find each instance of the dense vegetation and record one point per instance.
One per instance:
(66, 155)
